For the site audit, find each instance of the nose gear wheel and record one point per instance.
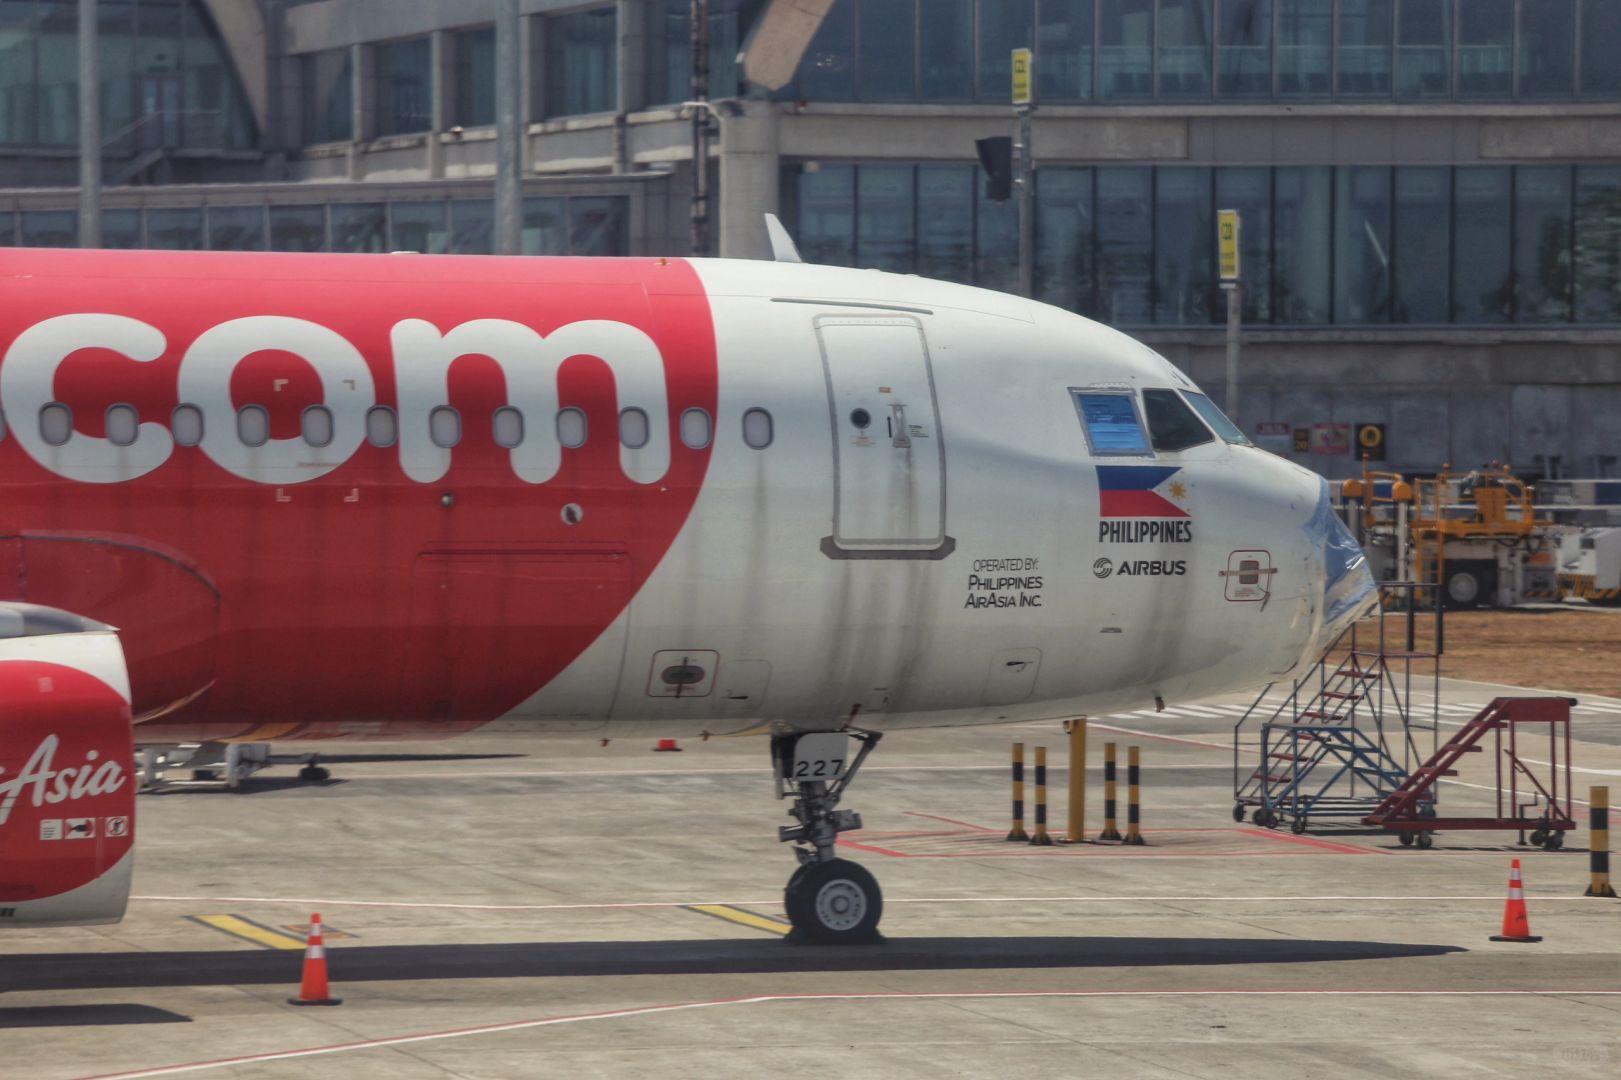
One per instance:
(829, 900)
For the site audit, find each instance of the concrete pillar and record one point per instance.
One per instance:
(633, 18)
(363, 119)
(509, 135)
(442, 62)
(89, 127)
(635, 25)
(750, 169)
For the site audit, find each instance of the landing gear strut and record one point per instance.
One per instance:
(829, 900)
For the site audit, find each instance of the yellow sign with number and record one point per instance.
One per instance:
(1023, 65)
(1227, 243)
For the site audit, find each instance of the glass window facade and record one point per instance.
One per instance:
(1196, 50)
(576, 225)
(553, 225)
(1125, 61)
(327, 95)
(1422, 228)
(422, 227)
(236, 228)
(179, 229)
(1360, 245)
(472, 226)
(670, 67)
(1424, 49)
(1598, 244)
(48, 228)
(1244, 49)
(1064, 39)
(1601, 29)
(298, 228)
(582, 62)
(404, 87)
(1363, 61)
(1004, 25)
(1485, 48)
(475, 76)
(121, 229)
(165, 78)
(1184, 49)
(1547, 37)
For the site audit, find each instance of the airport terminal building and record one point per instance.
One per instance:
(1430, 189)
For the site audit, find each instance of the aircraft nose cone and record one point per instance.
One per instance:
(1347, 586)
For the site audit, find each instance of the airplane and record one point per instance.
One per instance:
(251, 496)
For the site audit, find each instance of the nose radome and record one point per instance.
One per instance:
(1346, 584)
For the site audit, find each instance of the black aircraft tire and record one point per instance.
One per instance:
(834, 903)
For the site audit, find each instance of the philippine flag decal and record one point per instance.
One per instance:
(1140, 491)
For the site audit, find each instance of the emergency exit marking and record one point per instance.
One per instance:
(1227, 227)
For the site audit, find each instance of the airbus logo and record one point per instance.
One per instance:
(1103, 568)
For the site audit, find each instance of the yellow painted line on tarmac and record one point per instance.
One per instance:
(237, 926)
(741, 917)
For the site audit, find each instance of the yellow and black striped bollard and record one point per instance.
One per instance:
(1598, 843)
(1040, 837)
(1134, 815)
(1111, 830)
(1018, 832)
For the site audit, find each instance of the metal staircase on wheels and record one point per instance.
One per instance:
(1345, 737)
(1531, 794)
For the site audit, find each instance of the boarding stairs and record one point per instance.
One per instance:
(1346, 736)
(1531, 794)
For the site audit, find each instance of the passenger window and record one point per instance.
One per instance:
(123, 424)
(697, 429)
(507, 427)
(1112, 427)
(186, 422)
(318, 425)
(633, 428)
(253, 425)
(445, 427)
(1249, 572)
(571, 428)
(382, 426)
(1172, 423)
(757, 429)
(56, 424)
(1217, 419)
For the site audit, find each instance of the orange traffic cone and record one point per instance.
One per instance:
(1516, 924)
(313, 990)
(667, 745)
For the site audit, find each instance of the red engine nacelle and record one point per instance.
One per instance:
(67, 770)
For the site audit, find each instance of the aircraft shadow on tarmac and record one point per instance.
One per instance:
(47, 1016)
(520, 960)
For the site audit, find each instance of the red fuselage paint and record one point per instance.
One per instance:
(361, 601)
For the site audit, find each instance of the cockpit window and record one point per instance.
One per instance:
(1172, 423)
(1112, 426)
(1217, 419)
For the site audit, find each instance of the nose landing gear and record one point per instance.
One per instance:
(829, 900)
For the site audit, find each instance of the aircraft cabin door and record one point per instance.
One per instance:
(889, 456)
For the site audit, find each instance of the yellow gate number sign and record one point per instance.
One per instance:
(1227, 243)
(1021, 76)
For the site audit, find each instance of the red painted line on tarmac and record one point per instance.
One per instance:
(762, 999)
(950, 821)
(1311, 841)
